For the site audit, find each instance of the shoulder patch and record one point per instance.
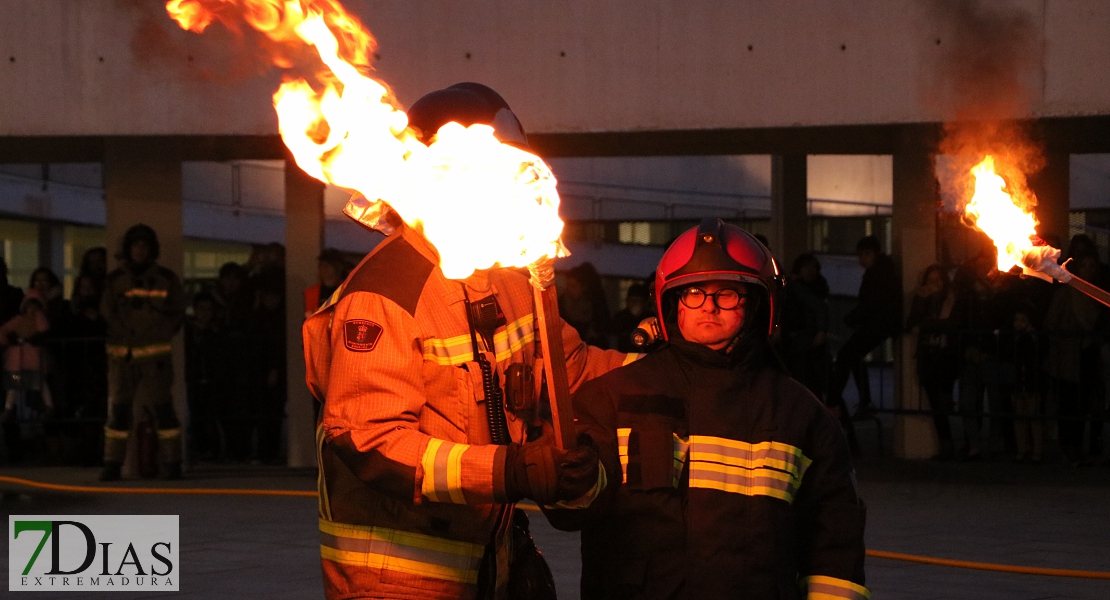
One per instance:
(360, 335)
(396, 271)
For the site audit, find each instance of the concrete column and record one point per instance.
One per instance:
(142, 184)
(789, 210)
(1052, 187)
(914, 224)
(304, 239)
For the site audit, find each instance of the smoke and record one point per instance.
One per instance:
(987, 74)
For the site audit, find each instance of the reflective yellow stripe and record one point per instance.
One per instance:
(516, 335)
(631, 358)
(449, 352)
(821, 587)
(115, 434)
(442, 462)
(165, 434)
(402, 551)
(765, 469)
(776, 455)
(145, 293)
(622, 450)
(457, 350)
(118, 351)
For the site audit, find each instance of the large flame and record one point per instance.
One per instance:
(993, 210)
(480, 202)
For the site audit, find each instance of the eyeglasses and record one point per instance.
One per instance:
(724, 299)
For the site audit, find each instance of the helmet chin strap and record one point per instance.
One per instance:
(746, 328)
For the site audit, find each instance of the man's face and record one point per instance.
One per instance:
(866, 258)
(708, 324)
(139, 251)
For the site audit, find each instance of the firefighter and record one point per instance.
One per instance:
(725, 478)
(144, 306)
(423, 445)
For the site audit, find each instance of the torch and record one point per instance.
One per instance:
(344, 127)
(1041, 262)
(551, 347)
(1013, 230)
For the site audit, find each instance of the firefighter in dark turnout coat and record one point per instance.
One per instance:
(725, 477)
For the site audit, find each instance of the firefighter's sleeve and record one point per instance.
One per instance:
(374, 397)
(831, 519)
(110, 310)
(584, 362)
(596, 417)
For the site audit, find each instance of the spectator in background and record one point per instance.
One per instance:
(95, 264)
(205, 377)
(11, 297)
(583, 305)
(85, 376)
(637, 307)
(875, 317)
(932, 315)
(332, 270)
(805, 324)
(1026, 356)
(27, 396)
(49, 289)
(980, 298)
(1074, 355)
(233, 299)
(267, 333)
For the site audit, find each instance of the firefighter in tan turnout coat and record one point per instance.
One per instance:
(144, 306)
(421, 452)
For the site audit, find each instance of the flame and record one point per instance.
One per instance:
(481, 203)
(993, 210)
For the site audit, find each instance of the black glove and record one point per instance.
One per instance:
(543, 473)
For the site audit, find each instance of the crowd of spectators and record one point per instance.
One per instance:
(1021, 363)
(55, 366)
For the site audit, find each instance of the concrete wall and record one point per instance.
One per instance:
(121, 67)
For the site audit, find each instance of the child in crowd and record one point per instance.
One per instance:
(23, 362)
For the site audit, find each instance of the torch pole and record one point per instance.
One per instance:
(1046, 264)
(1090, 289)
(554, 359)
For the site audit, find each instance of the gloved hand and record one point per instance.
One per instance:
(541, 472)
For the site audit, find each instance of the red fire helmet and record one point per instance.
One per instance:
(716, 251)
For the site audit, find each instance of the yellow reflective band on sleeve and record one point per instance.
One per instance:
(169, 434)
(681, 449)
(821, 587)
(622, 450)
(631, 358)
(442, 463)
(115, 434)
(765, 469)
(401, 551)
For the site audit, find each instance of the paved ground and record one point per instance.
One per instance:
(1046, 515)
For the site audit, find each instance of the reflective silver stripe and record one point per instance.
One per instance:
(770, 469)
(442, 463)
